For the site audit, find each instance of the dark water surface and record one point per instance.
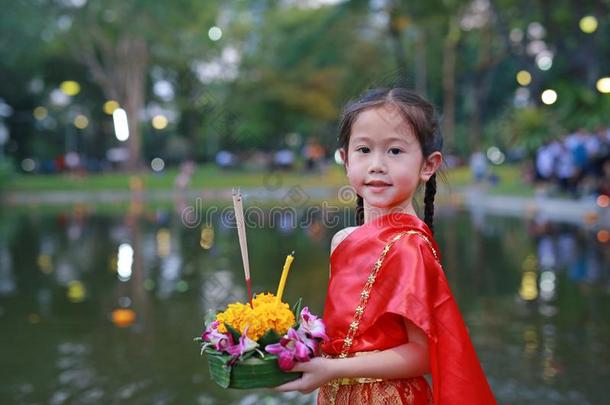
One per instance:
(536, 298)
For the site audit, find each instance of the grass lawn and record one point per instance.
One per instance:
(211, 177)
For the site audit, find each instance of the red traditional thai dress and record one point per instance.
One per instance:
(384, 271)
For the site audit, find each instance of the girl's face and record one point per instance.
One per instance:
(384, 161)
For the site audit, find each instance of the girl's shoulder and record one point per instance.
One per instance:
(340, 236)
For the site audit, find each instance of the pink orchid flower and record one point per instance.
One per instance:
(245, 345)
(289, 350)
(219, 340)
(311, 330)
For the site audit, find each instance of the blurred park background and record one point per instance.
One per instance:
(124, 125)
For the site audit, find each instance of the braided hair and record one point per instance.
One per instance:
(421, 117)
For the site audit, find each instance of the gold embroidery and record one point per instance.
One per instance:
(411, 391)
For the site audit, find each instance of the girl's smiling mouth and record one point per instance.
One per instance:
(377, 184)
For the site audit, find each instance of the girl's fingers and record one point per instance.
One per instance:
(299, 368)
(289, 386)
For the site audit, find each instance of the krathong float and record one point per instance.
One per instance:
(255, 345)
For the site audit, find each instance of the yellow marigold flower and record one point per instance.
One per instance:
(266, 314)
(276, 316)
(235, 315)
(263, 298)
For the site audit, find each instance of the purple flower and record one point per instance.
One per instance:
(219, 340)
(311, 330)
(245, 345)
(289, 349)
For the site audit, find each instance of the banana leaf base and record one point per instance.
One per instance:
(247, 374)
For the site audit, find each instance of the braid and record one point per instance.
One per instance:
(359, 210)
(429, 202)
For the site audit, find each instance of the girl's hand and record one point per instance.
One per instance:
(316, 372)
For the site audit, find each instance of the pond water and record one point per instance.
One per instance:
(102, 307)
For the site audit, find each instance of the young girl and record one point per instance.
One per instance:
(389, 313)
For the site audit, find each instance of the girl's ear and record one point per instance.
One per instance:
(343, 155)
(430, 166)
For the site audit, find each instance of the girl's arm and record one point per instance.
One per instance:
(404, 361)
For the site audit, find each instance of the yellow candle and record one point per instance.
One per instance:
(285, 270)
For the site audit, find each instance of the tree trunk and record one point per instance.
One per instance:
(397, 24)
(420, 63)
(475, 114)
(121, 72)
(449, 56)
(479, 92)
(130, 77)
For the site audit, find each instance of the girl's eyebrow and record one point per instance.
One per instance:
(397, 139)
(364, 138)
(361, 138)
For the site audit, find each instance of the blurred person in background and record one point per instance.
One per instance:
(478, 166)
(566, 170)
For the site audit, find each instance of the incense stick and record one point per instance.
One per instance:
(243, 243)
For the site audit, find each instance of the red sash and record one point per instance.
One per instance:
(410, 284)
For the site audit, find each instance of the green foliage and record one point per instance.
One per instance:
(579, 106)
(6, 172)
(298, 66)
(270, 337)
(234, 332)
(528, 127)
(296, 309)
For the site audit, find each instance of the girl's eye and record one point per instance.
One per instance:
(363, 149)
(395, 151)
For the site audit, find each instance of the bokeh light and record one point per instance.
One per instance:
(110, 106)
(535, 30)
(529, 288)
(164, 242)
(157, 164)
(495, 155)
(28, 165)
(40, 113)
(125, 261)
(81, 121)
(76, 291)
(588, 24)
(549, 96)
(159, 122)
(603, 236)
(58, 98)
(603, 85)
(121, 127)
(45, 263)
(215, 33)
(544, 60)
(70, 87)
(516, 35)
(524, 78)
(123, 317)
(603, 201)
(206, 241)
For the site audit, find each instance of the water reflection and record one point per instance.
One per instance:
(103, 307)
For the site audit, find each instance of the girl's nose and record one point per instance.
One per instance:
(377, 164)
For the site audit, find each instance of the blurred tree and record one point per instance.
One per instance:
(281, 67)
(119, 41)
(299, 66)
